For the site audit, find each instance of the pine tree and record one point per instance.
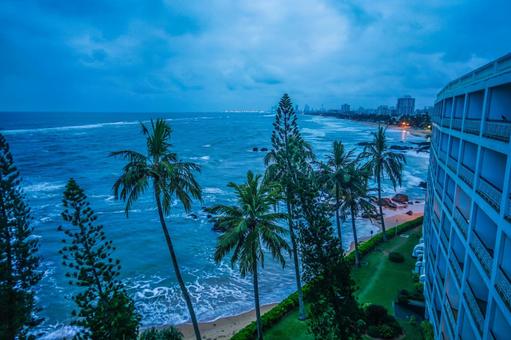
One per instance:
(334, 312)
(18, 254)
(288, 158)
(105, 311)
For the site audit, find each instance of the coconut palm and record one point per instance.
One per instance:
(250, 229)
(383, 163)
(169, 177)
(356, 198)
(333, 172)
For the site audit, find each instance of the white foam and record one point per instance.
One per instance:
(44, 186)
(70, 127)
(213, 191)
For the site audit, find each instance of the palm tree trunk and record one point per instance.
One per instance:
(337, 217)
(257, 308)
(355, 239)
(301, 308)
(12, 306)
(382, 220)
(186, 295)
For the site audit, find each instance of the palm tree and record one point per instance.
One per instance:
(383, 163)
(357, 199)
(333, 171)
(169, 177)
(250, 229)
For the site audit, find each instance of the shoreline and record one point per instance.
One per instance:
(225, 327)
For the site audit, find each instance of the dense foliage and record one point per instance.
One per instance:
(18, 254)
(380, 323)
(167, 333)
(334, 312)
(289, 157)
(251, 228)
(396, 257)
(104, 310)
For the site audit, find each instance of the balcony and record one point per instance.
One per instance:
(444, 240)
(503, 285)
(466, 175)
(482, 253)
(474, 307)
(489, 193)
(500, 130)
(442, 155)
(461, 221)
(472, 126)
(456, 123)
(448, 202)
(452, 164)
(436, 220)
(507, 215)
(446, 122)
(456, 268)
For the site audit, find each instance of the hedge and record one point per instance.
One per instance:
(278, 312)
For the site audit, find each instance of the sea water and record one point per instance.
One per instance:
(49, 148)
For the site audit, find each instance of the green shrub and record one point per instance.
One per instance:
(396, 257)
(375, 314)
(278, 312)
(168, 333)
(403, 297)
(382, 331)
(427, 330)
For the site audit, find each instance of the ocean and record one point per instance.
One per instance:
(49, 148)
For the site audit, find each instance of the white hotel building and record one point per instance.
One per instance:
(467, 226)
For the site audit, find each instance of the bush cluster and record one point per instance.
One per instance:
(168, 333)
(396, 257)
(380, 323)
(278, 312)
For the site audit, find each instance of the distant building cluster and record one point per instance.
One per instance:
(405, 106)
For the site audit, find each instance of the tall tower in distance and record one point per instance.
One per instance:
(405, 105)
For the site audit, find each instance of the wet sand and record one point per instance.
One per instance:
(223, 328)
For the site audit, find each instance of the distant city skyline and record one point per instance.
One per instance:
(242, 55)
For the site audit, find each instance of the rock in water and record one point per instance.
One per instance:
(255, 149)
(264, 149)
(423, 185)
(400, 198)
(409, 212)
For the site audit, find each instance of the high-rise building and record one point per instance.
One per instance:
(405, 105)
(467, 225)
(345, 108)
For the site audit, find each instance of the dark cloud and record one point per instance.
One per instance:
(162, 55)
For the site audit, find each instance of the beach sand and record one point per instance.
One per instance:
(222, 328)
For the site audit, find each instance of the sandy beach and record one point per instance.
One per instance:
(224, 328)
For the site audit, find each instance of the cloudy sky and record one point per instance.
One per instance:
(125, 55)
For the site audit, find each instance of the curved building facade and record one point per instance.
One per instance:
(467, 228)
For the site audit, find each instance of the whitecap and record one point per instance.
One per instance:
(44, 186)
(213, 191)
(67, 128)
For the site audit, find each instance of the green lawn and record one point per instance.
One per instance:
(378, 281)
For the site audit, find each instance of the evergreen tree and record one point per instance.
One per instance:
(105, 311)
(18, 254)
(334, 312)
(289, 156)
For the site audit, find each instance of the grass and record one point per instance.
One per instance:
(379, 281)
